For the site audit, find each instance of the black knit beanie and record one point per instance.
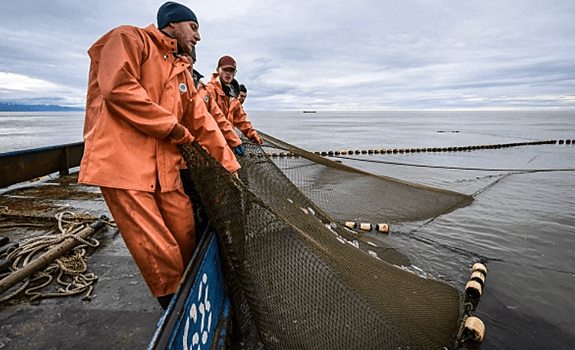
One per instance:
(172, 12)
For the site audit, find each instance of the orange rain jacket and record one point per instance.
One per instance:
(138, 90)
(225, 125)
(239, 118)
(232, 108)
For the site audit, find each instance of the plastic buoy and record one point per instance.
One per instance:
(478, 276)
(479, 267)
(473, 289)
(474, 329)
(350, 224)
(365, 227)
(382, 228)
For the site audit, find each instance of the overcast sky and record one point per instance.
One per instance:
(308, 54)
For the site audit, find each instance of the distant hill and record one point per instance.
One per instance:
(14, 107)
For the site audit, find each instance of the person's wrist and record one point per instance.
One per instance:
(177, 132)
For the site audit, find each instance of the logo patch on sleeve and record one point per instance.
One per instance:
(183, 87)
(207, 99)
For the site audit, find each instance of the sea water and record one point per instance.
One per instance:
(522, 223)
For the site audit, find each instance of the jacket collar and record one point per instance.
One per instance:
(225, 89)
(197, 78)
(216, 79)
(161, 39)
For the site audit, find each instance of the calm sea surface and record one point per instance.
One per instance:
(522, 223)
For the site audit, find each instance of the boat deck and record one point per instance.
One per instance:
(122, 314)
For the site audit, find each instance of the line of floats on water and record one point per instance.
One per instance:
(419, 149)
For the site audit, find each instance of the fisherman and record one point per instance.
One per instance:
(224, 89)
(239, 118)
(225, 125)
(243, 94)
(142, 104)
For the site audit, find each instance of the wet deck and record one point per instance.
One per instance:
(122, 313)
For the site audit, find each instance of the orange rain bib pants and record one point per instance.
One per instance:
(158, 229)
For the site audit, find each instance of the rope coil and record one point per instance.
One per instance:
(69, 269)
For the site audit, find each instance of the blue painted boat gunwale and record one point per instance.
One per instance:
(175, 329)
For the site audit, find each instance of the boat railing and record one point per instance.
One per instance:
(29, 164)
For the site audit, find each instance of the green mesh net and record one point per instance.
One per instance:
(297, 277)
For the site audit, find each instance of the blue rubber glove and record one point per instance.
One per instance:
(239, 150)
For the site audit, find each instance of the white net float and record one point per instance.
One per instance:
(474, 329)
(382, 228)
(473, 289)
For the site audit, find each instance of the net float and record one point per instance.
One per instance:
(365, 226)
(382, 228)
(473, 289)
(474, 329)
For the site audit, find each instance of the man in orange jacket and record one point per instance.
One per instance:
(141, 104)
(225, 125)
(224, 89)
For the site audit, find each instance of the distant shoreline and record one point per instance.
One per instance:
(14, 107)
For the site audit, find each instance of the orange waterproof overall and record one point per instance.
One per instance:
(138, 91)
(232, 108)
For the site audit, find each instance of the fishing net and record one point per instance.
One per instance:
(350, 194)
(297, 277)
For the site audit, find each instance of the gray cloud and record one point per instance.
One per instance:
(322, 54)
